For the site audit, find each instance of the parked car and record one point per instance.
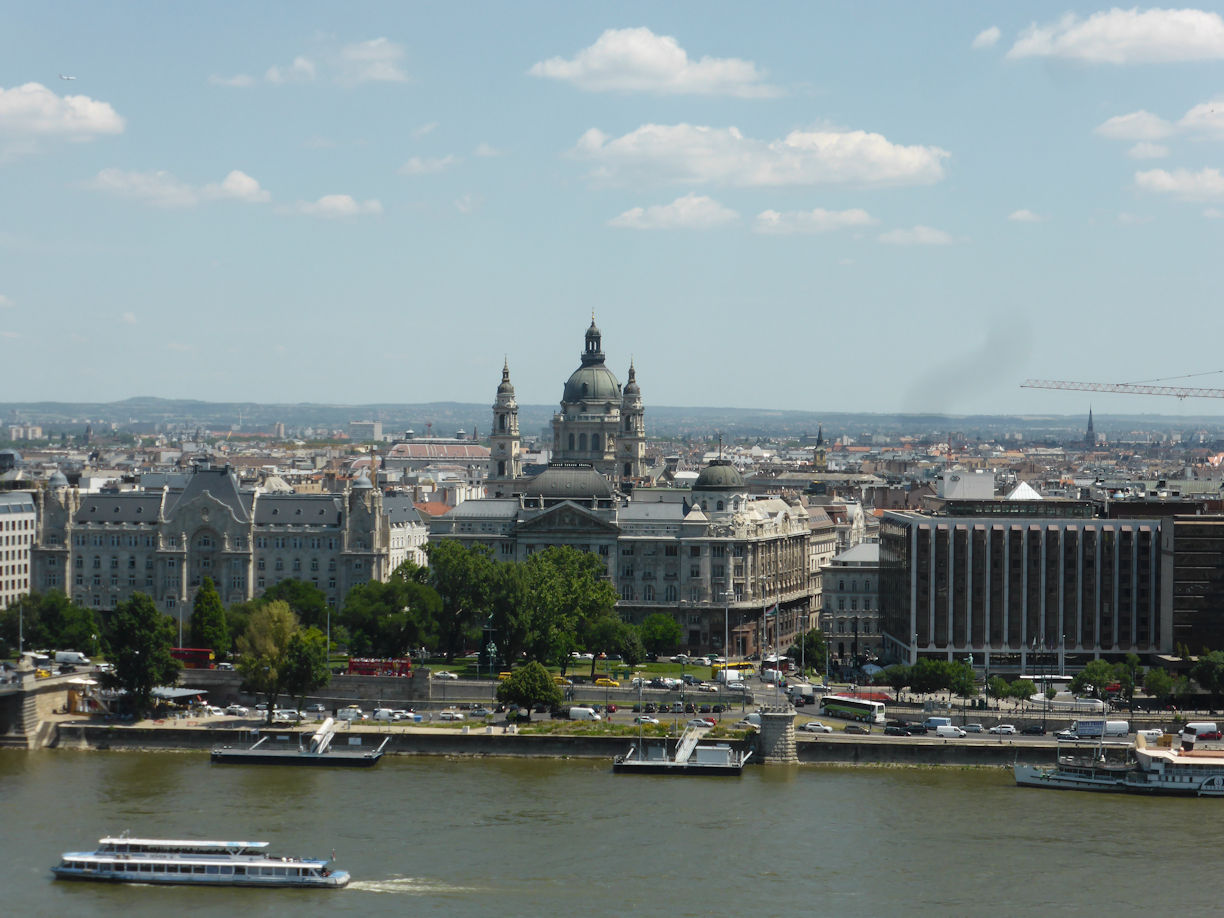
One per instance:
(1004, 729)
(974, 728)
(316, 708)
(645, 719)
(701, 722)
(915, 729)
(603, 681)
(237, 710)
(891, 730)
(815, 726)
(1033, 730)
(451, 715)
(856, 728)
(444, 674)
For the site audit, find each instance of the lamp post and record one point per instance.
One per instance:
(491, 650)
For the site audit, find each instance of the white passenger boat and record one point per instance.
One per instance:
(194, 862)
(1159, 770)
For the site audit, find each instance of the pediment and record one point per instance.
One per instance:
(568, 517)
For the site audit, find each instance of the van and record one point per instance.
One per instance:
(383, 714)
(1202, 729)
(579, 713)
(947, 731)
(71, 656)
(934, 723)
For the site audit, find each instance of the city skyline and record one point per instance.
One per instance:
(801, 207)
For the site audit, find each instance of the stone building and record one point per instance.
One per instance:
(18, 519)
(851, 620)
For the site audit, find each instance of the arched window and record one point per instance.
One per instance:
(582, 441)
(648, 592)
(571, 441)
(841, 584)
(628, 424)
(671, 594)
(501, 421)
(501, 469)
(594, 443)
(719, 505)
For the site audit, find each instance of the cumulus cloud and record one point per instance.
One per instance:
(638, 60)
(423, 165)
(987, 38)
(128, 318)
(694, 154)
(427, 128)
(337, 205)
(1205, 184)
(1025, 216)
(162, 189)
(468, 203)
(1140, 125)
(1205, 118)
(1145, 150)
(32, 110)
(693, 211)
(487, 150)
(819, 220)
(374, 61)
(918, 235)
(1127, 37)
(302, 70)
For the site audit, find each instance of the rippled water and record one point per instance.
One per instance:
(479, 837)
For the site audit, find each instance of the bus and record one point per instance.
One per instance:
(365, 666)
(860, 709)
(743, 667)
(193, 657)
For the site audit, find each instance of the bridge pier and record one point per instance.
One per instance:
(777, 737)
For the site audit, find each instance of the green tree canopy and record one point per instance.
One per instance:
(1159, 684)
(961, 680)
(460, 574)
(510, 610)
(50, 620)
(139, 639)
(570, 592)
(264, 650)
(929, 675)
(529, 685)
(1095, 676)
(1208, 672)
(809, 649)
(208, 625)
(389, 619)
(307, 601)
(306, 666)
(660, 633)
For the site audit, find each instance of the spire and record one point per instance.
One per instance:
(820, 435)
(1090, 434)
(506, 387)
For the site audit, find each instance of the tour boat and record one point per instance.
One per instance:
(1155, 770)
(195, 862)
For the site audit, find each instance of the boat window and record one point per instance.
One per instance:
(212, 869)
(198, 868)
(227, 870)
(146, 868)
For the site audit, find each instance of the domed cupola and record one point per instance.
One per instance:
(506, 387)
(631, 387)
(719, 475)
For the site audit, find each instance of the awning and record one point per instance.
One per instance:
(170, 693)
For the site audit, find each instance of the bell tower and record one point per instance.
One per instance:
(632, 439)
(505, 460)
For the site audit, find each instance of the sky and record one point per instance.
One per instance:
(817, 206)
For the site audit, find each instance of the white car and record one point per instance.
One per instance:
(352, 712)
(645, 719)
(451, 715)
(444, 674)
(1006, 729)
(815, 726)
(237, 710)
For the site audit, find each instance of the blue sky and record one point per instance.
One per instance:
(843, 207)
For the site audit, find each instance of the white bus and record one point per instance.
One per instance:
(869, 712)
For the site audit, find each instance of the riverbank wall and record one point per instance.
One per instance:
(483, 742)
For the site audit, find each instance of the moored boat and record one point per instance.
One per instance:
(318, 751)
(690, 758)
(195, 862)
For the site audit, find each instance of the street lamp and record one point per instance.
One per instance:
(491, 650)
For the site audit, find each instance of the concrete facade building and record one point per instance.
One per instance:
(18, 522)
(851, 621)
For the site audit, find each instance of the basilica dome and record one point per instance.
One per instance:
(591, 383)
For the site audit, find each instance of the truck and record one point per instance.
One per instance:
(1094, 728)
(71, 656)
(801, 693)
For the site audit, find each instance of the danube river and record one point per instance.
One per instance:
(510, 837)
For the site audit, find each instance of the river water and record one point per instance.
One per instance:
(510, 837)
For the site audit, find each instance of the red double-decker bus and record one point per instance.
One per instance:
(193, 657)
(367, 666)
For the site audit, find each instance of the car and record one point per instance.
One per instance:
(746, 725)
(815, 726)
(680, 658)
(611, 709)
(237, 710)
(383, 714)
(1033, 730)
(735, 687)
(285, 717)
(645, 719)
(481, 711)
(351, 712)
(607, 683)
(228, 667)
(1003, 729)
(707, 687)
(891, 730)
(650, 707)
(316, 708)
(855, 728)
(444, 674)
(701, 722)
(974, 728)
(915, 729)
(703, 709)
(561, 680)
(451, 715)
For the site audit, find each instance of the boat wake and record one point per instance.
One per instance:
(408, 885)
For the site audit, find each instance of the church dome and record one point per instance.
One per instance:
(719, 475)
(362, 483)
(593, 382)
(563, 482)
(57, 480)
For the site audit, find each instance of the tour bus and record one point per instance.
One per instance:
(193, 657)
(871, 712)
(743, 667)
(369, 666)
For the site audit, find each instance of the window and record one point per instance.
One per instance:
(648, 593)
(671, 594)
(694, 551)
(671, 551)
(261, 564)
(718, 571)
(297, 564)
(280, 564)
(627, 591)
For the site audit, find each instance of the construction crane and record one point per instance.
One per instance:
(1126, 388)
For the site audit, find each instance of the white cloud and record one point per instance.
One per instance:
(128, 318)
(819, 220)
(33, 110)
(427, 128)
(918, 235)
(1125, 219)
(6, 302)
(1145, 150)
(1205, 118)
(9, 334)
(1194, 186)
(337, 205)
(693, 211)
(419, 165)
(694, 154)
(237, 81)
(302, 70)
(1140, 125)
(1213, 213)
(1127, 37)
(487, 150)
(178, 346)
(468, 203)
(987, 38)
(1025, 216)
(374, 61)
(162, 189)
(638, 60)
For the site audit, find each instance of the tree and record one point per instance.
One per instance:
(1159, 684)
(961, 680)
(264, 650)
(389, 619)
(660, 633)
(50, 620)
(208, 626)
(139, 639)
(569, 591)
(460, 574)
(307, 601)
(897, 677)
(1022, 690)
(1096, 675)
(527, 686)
(1208, 672)
(810, 648)
(998, 687)
(306, 666)
(929, 675)
(607, 636)
(510, 611)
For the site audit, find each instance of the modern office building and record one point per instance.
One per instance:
(18, 519)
